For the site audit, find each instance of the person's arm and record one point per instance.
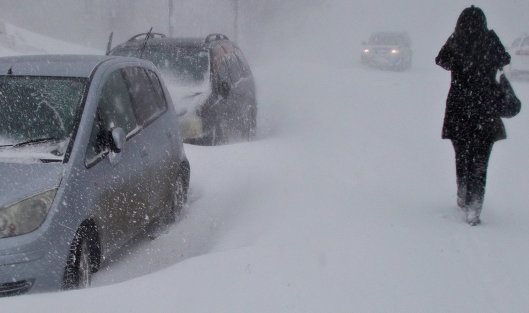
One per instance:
(502, 57)
(446, 57)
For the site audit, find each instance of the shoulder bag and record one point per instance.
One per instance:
(509, 105)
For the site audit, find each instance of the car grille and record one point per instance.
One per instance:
(382, 51)
(15, 288)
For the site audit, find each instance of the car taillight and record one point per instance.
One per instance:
(522, 52)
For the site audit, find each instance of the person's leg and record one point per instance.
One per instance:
(477, 179)
(461, 155)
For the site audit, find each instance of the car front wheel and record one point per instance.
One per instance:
(179, 200)
(216, 136)
(179, 196)
(81, 262)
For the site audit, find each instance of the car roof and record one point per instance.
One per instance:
(390, 33)
(164, 42)
(54, 65)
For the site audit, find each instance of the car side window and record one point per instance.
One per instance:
(516, 43)
(236, 72)
(147, 103)
(114, 110)
(115, 104)
(246, 72)
(224, 73)
(157, 85)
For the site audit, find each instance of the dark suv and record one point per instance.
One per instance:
(210, 82)
(387, 50)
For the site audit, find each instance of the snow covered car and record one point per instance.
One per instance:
(90, 154)
(387, 50)
(519, 51)
(210, 82)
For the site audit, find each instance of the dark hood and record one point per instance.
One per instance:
(19, 181)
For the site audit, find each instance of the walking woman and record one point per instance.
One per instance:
(473, 54)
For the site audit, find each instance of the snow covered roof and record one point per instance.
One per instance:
(52, 65)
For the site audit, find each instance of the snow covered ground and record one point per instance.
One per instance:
(344, 203)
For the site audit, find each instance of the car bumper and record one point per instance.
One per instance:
(386, 60)
(30, 265)
(519, 68)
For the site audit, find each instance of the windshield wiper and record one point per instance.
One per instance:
(51, 160)
(36, 141)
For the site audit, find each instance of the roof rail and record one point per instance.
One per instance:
(213, 37)
(144, 35)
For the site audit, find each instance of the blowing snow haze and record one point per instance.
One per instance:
(345, 200)
(320, 30)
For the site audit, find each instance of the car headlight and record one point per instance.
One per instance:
(190, 126)
(395, 51)
(26, 215)
(366, 51)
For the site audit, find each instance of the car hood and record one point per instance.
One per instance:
(385, 46)
(19, 181)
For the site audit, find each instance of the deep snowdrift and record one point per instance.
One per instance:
(345, 201)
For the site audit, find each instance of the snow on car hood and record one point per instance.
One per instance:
(32, 153)
(188, 98)
(19, 181)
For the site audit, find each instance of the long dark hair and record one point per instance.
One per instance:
(471, 21)
(472, 38)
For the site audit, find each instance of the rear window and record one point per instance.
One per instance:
(188, 65)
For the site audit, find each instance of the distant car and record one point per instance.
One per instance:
(210, 81)
(90, 154)
(519, 51)
(387, 50)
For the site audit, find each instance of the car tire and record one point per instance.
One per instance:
(217, 135)
(251, 123)
(83, 259)
(180, 196)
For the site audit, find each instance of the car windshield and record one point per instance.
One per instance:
(188, 65)
(388, 39)
(39, 111)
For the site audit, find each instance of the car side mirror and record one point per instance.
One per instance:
(118, 139)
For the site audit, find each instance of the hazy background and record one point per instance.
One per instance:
(346, 199)
(317, 30)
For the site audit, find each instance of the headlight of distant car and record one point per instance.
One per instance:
(366, 51)
(190, 126)
(395, 51)
(26, 215)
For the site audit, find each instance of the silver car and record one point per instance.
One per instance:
(387, 50)
(519, 50)
(90, 154)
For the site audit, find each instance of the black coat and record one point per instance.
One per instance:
(473, 54)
